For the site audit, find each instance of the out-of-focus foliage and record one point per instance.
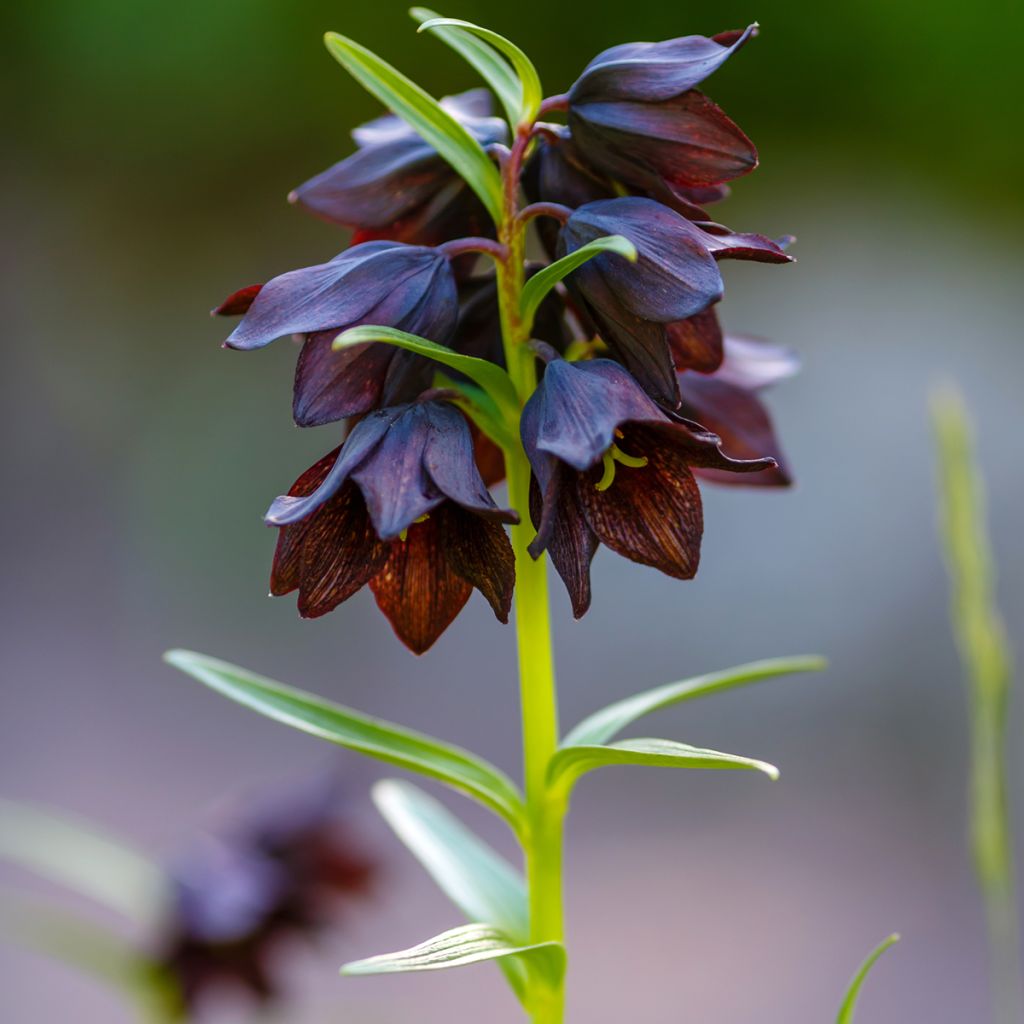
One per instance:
(124, 90)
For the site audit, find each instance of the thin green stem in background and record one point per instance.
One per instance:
(983, 646)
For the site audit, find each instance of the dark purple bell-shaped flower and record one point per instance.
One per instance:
(236, 900)
(727, 403)
(410, 287)
(611, 468)
(636, 114)
(652, 313)
(401, 506)
(396, 186)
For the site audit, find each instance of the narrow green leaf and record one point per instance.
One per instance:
(529, 80)
(481, 883)
(468, 944)
(544, 280)
(489, 376)
(80, 857)
(371, 736)
(492, 67)
(570, 763)
(602, 725)
(424, 115)
(850, 1002)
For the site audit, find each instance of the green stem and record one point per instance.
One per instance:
(545, 812)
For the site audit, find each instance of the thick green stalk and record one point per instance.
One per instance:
(543, 836)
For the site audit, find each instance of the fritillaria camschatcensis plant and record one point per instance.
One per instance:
(530, 297)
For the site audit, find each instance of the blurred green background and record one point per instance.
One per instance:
(148, 153)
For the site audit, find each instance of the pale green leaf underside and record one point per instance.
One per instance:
(491, 66)
(531, 90)
(602, 725)
(850, 1002)
(482, 884)
(468, 944)
(423, 114)
(544, 280)
(348, 728)
(81, 858)
(570, 763)
(489, 376)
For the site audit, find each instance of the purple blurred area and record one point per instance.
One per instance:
(138, 459)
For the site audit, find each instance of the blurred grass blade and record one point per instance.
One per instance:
(491, 66)
(531, 91)
(482, 884)
(487, 375)
(569, 763)
(371, 736)
(95, 951)
(469, 944)
(985, 652)
(80, 857)
(544, 280)
(604, 724)
(850, 1001)
(423, 114)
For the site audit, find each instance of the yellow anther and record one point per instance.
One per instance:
(404, 535)
(610, 458)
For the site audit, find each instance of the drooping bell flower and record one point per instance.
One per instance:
(728, 404)
(611, 468)
(400, 507)
(396, 186)
(409, 287)
(649, 313)
(637, 116)
(238, 899)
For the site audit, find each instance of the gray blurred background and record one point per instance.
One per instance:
(147, 164)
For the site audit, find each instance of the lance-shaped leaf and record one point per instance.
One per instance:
(604, 724)
(531, 90)
(570, 763)
(424, 115)
(544, 280)
(492, 67)
(371, 736)
(853, 992)
(489, 376)
(482, 884)
(81, 858)
(469, 944)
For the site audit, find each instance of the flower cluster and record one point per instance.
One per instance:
(282, 874)
(640, 391)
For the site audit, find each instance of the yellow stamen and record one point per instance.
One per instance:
(616, 455)
(404, 535)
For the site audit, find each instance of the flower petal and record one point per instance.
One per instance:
(727, 244)
(686, 142)
(697, 342)
(651, 515)
(480, 552)
(754, 363)
(566, 536)
(298, 503)
(655, 71)
(738, 417)
(574, 413)
(238, 302)
(377, 282)
(417, 589)
(674, 277)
